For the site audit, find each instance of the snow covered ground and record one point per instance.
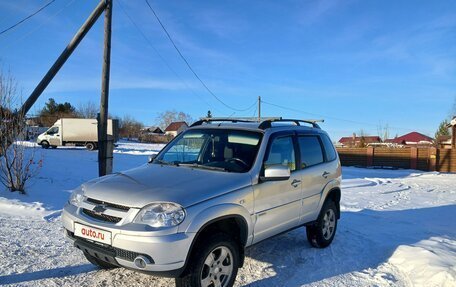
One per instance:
(398, 228)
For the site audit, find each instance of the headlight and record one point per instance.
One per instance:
(76, 197)
(163, 214)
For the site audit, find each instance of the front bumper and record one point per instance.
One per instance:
(167, 252)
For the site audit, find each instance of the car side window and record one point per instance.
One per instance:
(329, 148)
(281, 152)
(311, 151)
(53, 131)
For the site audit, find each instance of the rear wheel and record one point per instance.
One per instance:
(214, 262)
(321, 234)
(98, 262)
(90, 146)
(45, 144)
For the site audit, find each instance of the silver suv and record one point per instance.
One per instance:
(216, 189)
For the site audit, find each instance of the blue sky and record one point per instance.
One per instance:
(358, 64)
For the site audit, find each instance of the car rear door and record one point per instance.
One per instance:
(314, 174)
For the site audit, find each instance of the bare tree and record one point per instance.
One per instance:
(164, 119)
(17, 165)
(87, 110)
(129, 127)
(383, 131)
(362, 139)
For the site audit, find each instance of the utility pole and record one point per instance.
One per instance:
(105, 145)
(259, 109)
(66, 53)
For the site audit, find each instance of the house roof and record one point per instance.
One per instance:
(175, 126)
(152, 129)
(414, 137)
(367, 139)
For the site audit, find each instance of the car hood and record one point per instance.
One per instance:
(153, 182)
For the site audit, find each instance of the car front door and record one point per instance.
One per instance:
(54, 136)
(278, 203)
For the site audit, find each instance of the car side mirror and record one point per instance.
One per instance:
(151, 158)
(276, 172)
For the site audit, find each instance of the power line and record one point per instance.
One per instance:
(189, 66)
(18, 39)
(160, 56)
(26, 18)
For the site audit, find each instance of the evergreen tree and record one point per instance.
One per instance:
(53, 111)
(443, 129)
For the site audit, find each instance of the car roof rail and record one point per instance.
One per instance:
(268, 123)
(231, 120)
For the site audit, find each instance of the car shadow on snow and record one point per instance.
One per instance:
(364, 239)
(47, 274)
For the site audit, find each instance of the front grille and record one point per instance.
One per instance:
(102, 217)
(107, 204)
(120, 253)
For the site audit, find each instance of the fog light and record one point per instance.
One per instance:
(141, 262)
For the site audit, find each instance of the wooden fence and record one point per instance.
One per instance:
(427, 159)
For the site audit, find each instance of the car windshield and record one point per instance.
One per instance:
(217, 149)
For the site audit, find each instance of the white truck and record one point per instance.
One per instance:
(76, 132)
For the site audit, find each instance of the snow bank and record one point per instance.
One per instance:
(430, 262)
(397, 228)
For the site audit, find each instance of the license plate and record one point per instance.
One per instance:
(92, 233)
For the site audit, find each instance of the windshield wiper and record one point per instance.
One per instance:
(196, 165)
(160, 161)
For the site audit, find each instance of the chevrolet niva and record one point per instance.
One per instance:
(214, 190)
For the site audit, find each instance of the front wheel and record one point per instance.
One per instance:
(321, 234)
(215, 262)
(45, 144)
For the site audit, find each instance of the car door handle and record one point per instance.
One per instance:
(325, 174)
(295, 183)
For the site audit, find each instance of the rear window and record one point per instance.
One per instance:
(311, 151)
(329, 148)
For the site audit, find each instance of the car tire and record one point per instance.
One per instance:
(211, 258)
(45, 144)
(101, 264)
(321, 234)
(90, 146)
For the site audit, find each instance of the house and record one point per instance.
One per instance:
(359, 141)
(175, 128)
(153, 134)
(413, 139)
(152, 130)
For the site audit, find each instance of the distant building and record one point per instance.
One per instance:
(412, 139)
(152, 130)
(175, 128)
(359, 141)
